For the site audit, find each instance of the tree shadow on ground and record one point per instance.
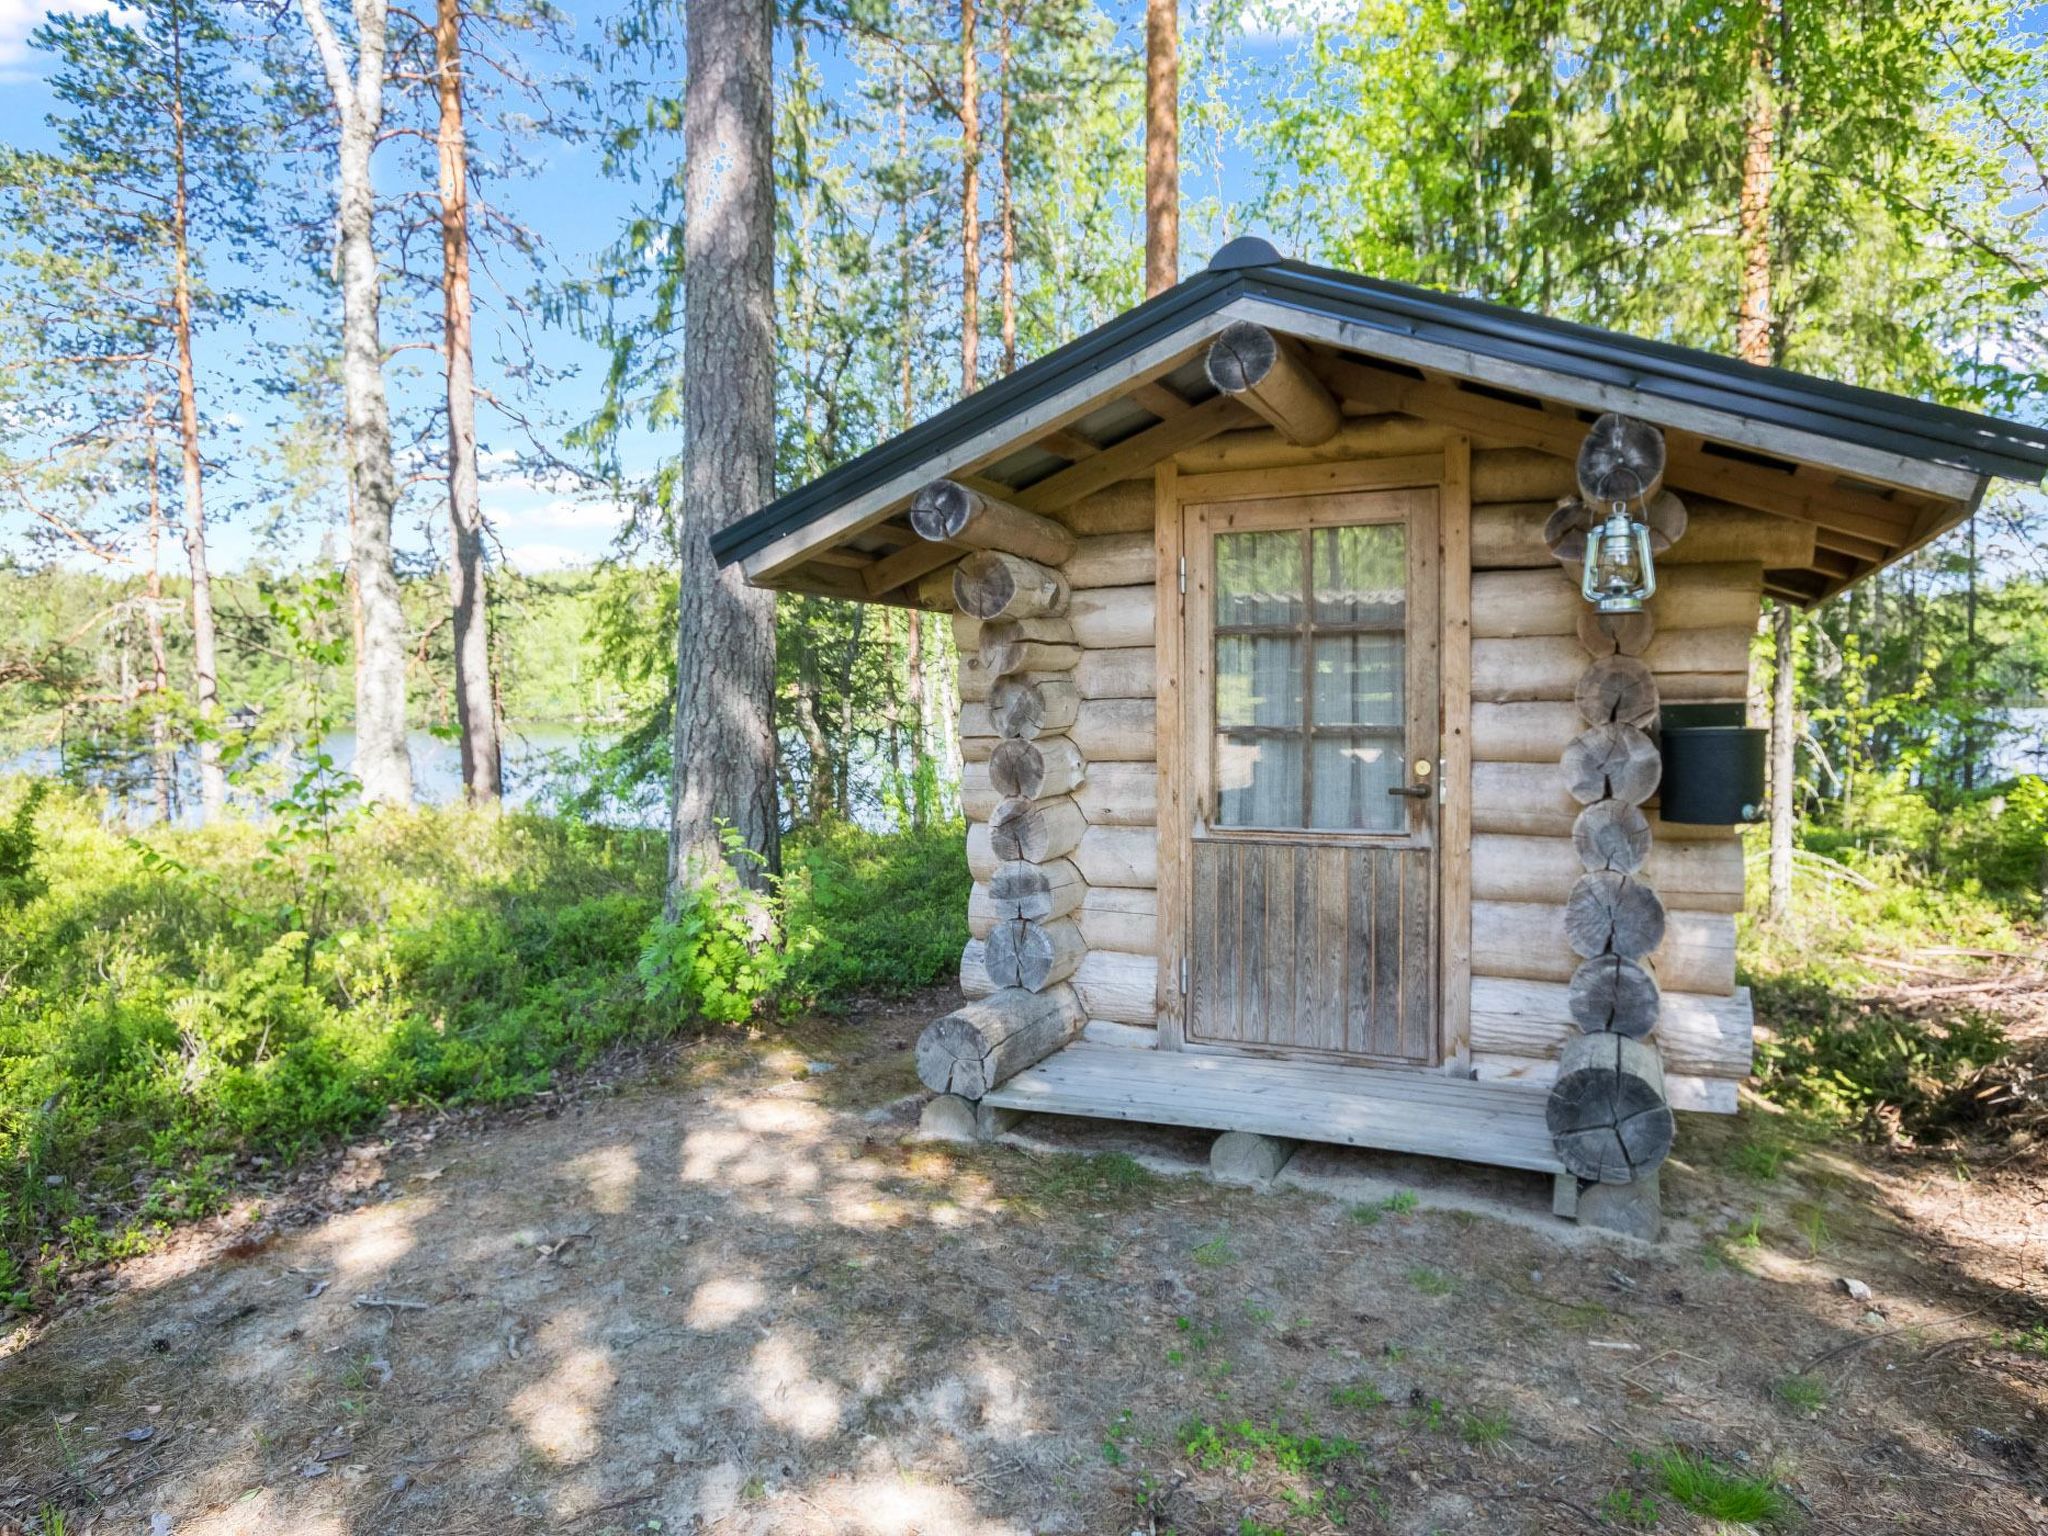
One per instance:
(740, 1299)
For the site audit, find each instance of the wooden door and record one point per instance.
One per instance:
(1312, 720)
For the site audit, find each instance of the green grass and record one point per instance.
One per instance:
(1708, 1488)
(1484, 1430)
(1100, 1177)
(1245, 1444)
(1627, 1508)
(1761, 1158)
(1431, 1282)
(1358, 1396)
(1802, 1394)
(1216, 1252)
(2031, 1340)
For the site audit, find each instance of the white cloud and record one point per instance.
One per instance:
(559, 513)
(534, 558)
(18, 18)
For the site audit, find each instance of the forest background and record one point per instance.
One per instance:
(215, 948)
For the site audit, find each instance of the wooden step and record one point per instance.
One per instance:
(1498, 1124)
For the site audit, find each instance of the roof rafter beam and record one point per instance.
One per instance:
(1752, 429)
(1133, 455)
(1690, 467)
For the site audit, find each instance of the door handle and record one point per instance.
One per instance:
(1412, 791)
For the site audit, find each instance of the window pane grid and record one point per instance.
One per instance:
(1310, 653)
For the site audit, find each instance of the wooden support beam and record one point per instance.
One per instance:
(907, 565)
(1159, 400)
(947, 512)
(848, 559)
(1270, 373)
(1134, 454)
(1068, 444)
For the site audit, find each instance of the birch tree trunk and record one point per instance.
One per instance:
(213, 782)
(1162, 145)
(724, 767)
(1783, 762)
(382, 762)
(482, 772)
(1756, 341)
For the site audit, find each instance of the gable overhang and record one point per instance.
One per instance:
(1879, 474)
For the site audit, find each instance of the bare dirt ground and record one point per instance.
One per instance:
(731, 1293)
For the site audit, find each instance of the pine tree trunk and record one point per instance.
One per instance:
(724, 765)
(162, 764)
(970, 204)
(482, 771)
(1162, 145)
(213, 783)
(1006, 208)
(382, 762)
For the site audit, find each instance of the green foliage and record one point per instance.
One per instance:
(1708, 1488)
(1841, 1050)
(1851, 1061)
(2030, 1340)
(1431, 1282)
(179, 1000)
(717, 956)
(19, 881)
(1240, 1447)
(873, 912)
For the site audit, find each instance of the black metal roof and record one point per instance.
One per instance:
(1867, 417)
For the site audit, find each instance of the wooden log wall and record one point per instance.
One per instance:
(1060, 761)
(1072, 661)
(1534, 639)
(1609, 1109)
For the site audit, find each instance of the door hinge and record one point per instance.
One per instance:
(1183, 574)
(1183, 975)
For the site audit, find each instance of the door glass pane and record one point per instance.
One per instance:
(1258, 680)
(1362, 575)
(1311, 678)
(1361, 679)
(1258, 780)
(1258, 579)
(1352, 776)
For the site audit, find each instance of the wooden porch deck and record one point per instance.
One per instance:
(1498, 1124)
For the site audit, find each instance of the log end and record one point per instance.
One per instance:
(1241, 357)
(940, 510)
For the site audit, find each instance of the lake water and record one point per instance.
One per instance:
(536, 760)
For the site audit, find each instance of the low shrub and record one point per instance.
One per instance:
(176, 1001)
(873, 912)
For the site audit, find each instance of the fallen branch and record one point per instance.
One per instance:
(393, 1303)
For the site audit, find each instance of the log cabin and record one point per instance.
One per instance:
(1311, 797)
